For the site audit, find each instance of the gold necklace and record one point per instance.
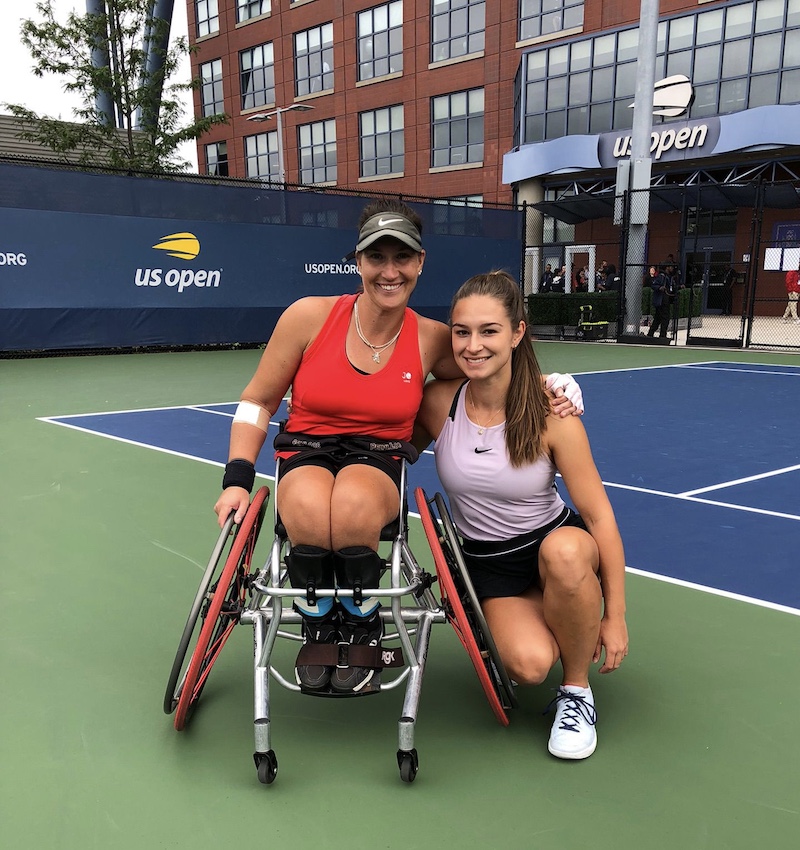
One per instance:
(376, 349)
(482, 428)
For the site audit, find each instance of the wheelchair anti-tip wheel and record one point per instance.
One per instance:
(462, 607)
(218, 606)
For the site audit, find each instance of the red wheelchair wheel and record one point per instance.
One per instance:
(459, 610)
(225, 601)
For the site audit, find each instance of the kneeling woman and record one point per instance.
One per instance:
(534, 562)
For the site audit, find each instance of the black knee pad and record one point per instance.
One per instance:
(358, 567)
(310, 567)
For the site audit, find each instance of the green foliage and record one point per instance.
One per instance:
(66, 50)
(555, 308)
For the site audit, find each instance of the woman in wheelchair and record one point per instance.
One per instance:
(534, 563)
(356, 365)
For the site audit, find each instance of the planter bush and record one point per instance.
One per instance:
(556, 308)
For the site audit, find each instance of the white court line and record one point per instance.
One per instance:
(741, 371)
(117, 412)
(684, 498)
(762, 603)
(740, 481)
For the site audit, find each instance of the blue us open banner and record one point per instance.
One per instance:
(136, 274)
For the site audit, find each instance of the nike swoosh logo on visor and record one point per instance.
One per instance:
(382, 222)
(481, 451)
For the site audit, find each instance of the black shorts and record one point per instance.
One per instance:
(334, 452)
(510, 567)
(336, 461)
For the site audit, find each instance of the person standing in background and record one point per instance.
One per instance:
(793, 294)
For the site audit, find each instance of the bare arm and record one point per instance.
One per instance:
(436, 350)
(436, 401)
(572, 456)
(295, 329)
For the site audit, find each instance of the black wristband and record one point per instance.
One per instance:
(239, 473)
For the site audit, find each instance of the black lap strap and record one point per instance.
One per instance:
(345, 443)
(349, 655)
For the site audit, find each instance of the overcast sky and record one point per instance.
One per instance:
(44, 95)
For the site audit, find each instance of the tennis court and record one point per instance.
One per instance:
(112, 466)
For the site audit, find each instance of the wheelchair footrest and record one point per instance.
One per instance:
(373, 687)
(349, 655)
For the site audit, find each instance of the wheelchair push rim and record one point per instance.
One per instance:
(480, 625)
(220, 608)
(173, 692)
(485, 666)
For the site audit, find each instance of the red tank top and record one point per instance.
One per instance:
(330, 396)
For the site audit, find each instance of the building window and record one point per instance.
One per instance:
(261, 156)
(313, 60)
(246, 9)
(317, 148)
(211, 88)
(462, 216)
(207, 13)
(457, 127)
(380, 40)
(737, 57)
(217, 159)
(542, 17)
(382, 144)
(257, 76)
(457, 28)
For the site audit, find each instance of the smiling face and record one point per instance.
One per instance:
(389, 271)
(483, 337)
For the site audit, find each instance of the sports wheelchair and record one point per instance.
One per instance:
(231, 592)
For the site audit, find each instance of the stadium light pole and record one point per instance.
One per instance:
(277, 114)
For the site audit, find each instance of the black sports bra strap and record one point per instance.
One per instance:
(452, 413)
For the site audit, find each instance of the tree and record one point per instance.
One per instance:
(118, 62)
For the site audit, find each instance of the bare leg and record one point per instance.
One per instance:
(568, 564)
(363, 501)
(304, 502)
(526, 645)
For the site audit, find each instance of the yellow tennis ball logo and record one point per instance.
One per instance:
(184, 246)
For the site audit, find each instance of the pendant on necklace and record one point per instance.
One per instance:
(376, 357)
(480, 430)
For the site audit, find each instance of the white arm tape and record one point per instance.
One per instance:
(252, 414)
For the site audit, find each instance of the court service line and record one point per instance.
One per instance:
(741, 371)
(684, 498)
(56, 417)
(727, 594)
(740, 481)
(140, 444)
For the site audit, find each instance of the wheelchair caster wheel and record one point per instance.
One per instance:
(266, 767)
(408, 762)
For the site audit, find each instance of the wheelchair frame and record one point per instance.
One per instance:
(231, 593)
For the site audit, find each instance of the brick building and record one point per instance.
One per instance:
(512, 100)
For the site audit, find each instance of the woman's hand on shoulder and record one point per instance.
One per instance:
(565, 394)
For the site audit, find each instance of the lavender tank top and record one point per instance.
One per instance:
(489, 498)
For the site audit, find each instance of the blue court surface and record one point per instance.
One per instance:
(701, 462)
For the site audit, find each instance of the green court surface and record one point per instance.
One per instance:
(103, 544)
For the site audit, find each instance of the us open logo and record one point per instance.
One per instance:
(182, 246)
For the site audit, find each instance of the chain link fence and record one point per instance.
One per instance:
(734, 247)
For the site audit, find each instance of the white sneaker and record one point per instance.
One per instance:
(573, 735)
(797, 321)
